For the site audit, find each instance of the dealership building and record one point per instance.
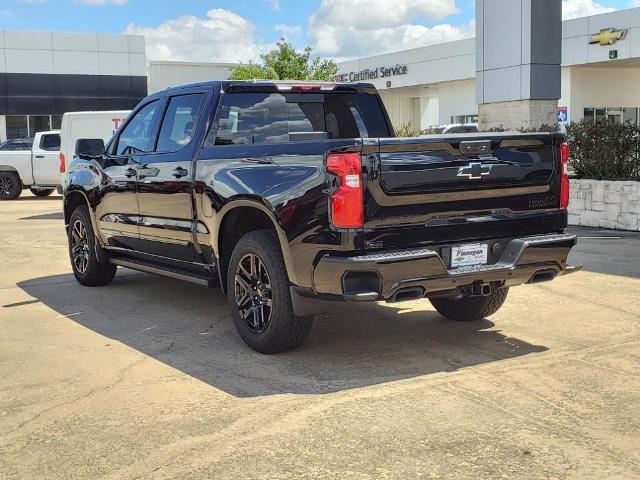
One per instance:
(434, 85)
(44, 74)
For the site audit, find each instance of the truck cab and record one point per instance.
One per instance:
(36, 167)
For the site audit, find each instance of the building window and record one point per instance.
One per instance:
(464, 119)
(630, 115)
(39, 123)
(612, 114)
(17, 126)
(23, 126)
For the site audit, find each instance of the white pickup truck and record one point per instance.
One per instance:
(37, 168)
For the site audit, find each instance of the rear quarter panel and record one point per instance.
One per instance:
(19, 161)
(288, 182)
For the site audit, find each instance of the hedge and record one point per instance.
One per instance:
(604, 151)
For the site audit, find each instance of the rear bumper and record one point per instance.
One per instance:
(381, 276)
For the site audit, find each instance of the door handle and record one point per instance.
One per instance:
(180, 172)
(130, 172)
(39, 156)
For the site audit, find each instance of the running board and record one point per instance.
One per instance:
(192, 277)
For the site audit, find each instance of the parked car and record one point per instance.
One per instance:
(77, 125)
(292, 195)
(456, 128)
(35, 168)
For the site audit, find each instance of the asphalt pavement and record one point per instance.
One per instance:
(147, 379)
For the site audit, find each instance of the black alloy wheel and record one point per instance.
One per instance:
(80, 249)
(259, 294)
(41, 192)
(10, 186)
(253, 293)
(87, 269)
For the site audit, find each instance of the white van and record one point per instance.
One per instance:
(77, 125)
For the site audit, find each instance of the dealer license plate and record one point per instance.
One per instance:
(471, 254)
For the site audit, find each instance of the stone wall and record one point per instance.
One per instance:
(520, 114)
(599, 203)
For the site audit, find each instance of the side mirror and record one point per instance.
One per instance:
(90, 147)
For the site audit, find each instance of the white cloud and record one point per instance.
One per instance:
(288, 30)
(222, 36)
(582, 8)
(351, 28)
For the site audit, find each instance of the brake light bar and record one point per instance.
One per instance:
(346, 203)
(305, 87)
(564, 179)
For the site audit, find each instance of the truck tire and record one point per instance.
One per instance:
(82, 251)
(259, 296)
(41, 192)
(10, 185)
(469, 309)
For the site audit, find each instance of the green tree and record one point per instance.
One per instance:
(285, 63)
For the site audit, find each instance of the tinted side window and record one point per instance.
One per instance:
(136, 135)
(50, 143)
(252, 118)
(352, 115)
(179, 122)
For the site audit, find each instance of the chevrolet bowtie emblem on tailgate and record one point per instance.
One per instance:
(475, 171)
(608, 36)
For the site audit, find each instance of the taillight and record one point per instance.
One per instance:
(347, 201)
(564, 181)
(306, 88)
(63, 166)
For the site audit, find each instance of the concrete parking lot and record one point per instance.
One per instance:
(146, 378)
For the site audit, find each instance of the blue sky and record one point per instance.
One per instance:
(194, 29)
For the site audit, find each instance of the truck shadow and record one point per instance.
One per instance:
(189, 328)
(46, 216)
(33, 198)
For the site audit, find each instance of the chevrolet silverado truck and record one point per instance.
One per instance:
(292, 195)
(30, 164)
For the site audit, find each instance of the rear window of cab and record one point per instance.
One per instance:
(254, 118)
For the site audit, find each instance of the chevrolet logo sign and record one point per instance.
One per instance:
(608, 36)
(475, 171)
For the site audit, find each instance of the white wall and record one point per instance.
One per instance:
(576, 35)
(71, 53)
(603, 87)
(426, 65)
(171, 74)
(401, 109)
(457, 98)
(565, 92)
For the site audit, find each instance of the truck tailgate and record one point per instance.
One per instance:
(436, 189)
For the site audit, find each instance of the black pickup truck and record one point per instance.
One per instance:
(288, 195)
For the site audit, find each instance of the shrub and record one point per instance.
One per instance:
(407, 130)
(604, 151)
